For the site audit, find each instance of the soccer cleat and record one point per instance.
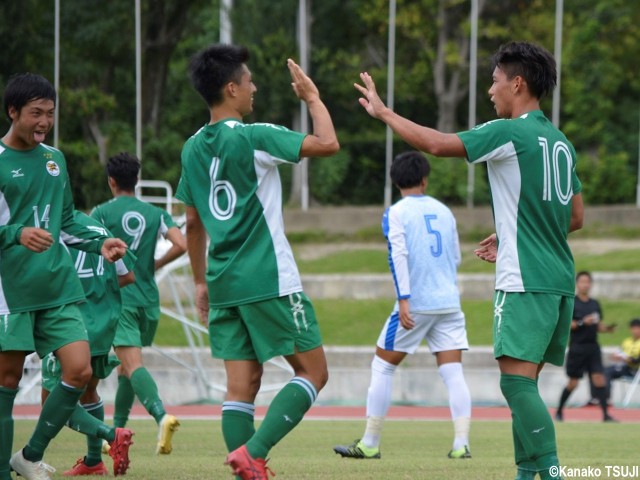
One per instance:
(119, 450)
(105, 447)
(168, 425)
(30, 470)
(247, 467)
(559, 416)
(357, 450)
(609, 419)
(462, 452)
(80, 468)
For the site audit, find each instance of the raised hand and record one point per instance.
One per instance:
(302, 85)
(371, 101)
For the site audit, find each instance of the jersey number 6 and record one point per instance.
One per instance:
(219, 187)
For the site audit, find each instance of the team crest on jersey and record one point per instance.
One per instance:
(52, 168)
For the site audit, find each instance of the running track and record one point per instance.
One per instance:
(585, 414)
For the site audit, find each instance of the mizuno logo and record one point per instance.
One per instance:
(537, 430)
(17, 173)
(287, 419)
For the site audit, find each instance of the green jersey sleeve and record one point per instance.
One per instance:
(74, 234)
(488, 141)
(274, 144)
(9, 235)
(166, 222)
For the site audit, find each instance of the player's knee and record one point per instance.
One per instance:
(320, 378)
(11, 380)
(78, 377)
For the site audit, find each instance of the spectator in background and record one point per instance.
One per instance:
(584, 350)
(628, 358)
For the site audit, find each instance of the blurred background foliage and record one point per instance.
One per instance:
(600, 83)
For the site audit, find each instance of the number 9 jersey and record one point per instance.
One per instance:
(532, 176)
(230, 176)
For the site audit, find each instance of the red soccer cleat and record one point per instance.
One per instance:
(247, 467)
(119, 451)
(80, 468)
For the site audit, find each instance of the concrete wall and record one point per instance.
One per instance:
(353, 219)
(416, 381)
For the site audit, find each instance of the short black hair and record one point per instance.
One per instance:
(215, 66)
(408, 169)
(25, 87)
(530, 61)
(583, 273)
(124, 169)
(634, 323)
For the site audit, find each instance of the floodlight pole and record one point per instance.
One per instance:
(557, 52)
(303, 43)
(56, 71)
(391, 61)
(225, 21)
(473, 81)
(138, 84)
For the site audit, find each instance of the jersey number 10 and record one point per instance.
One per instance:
(550, 161)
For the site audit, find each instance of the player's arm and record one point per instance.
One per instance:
(35, 239)
(126, 279)
(577, 213)
(124, 270)
(422, 138)
(323, 141)
(178, 247)
(197, 249)
(399, 264)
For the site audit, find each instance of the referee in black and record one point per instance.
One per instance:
(584, 350)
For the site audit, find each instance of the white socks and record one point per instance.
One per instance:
(378, 400)
(459, 402)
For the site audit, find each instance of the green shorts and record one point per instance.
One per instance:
(42, 331)
(137, 326)
(531, 326)
(102, 366)
(263, 330)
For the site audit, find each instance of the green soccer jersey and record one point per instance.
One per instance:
(138, 223)
(532, 177)
(99, 280)
(230, 175)
(35, 192)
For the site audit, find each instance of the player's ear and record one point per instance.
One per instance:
(13, 113)
(231, 89)
(518, 85)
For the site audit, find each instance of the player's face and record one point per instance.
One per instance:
(583, 285)
(501, 93)
(31, 124)
(245, 91)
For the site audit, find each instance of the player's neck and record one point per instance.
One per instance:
(584, 297)
(123, 193)
(221, 112)
(412, 192)
(525, 106)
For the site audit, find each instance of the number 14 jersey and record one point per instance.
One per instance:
(532, 177)
(230, 176)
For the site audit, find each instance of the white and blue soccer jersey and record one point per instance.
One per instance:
(424, 253)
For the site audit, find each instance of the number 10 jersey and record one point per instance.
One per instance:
(230, 176)
(532, 177)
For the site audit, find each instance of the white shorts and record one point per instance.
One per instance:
(443, 332)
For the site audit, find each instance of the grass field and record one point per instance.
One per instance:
(358, 322)
(374, 260)
(410, 450)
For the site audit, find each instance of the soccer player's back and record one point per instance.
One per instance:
(139, 224)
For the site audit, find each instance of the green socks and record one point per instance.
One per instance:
(237, 423)
(123, 401)
(94, 443)
(147, 392)
(7, 397)
(56, 410)
(285, 412)
(532, 424)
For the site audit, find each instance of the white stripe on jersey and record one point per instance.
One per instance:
(505, 182)
(5, 216)
(269, 193)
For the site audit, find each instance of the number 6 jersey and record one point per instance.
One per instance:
(532, 177)
(230, 175)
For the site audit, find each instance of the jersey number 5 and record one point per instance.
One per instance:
(437, 250)
(551, 160)
(218, 188)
